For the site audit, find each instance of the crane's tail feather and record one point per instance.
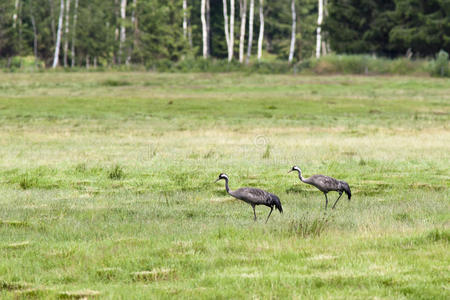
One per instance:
(276, 201)
(347, 190)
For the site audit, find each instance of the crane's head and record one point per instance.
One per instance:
(222, 176)
(295, 168)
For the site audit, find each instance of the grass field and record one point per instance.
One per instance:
(107, 186)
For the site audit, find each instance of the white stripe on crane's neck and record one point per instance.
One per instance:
(299, 173)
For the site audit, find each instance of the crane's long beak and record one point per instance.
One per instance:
(290, 171)
(217, 180)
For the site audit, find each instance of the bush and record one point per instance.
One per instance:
(25, 63)
(440, 67)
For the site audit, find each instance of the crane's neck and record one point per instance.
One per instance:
(300, 175)
(226, 185)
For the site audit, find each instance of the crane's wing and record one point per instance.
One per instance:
(324, 183)
(251, 195)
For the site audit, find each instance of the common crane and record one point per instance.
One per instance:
(325, 184)
(253, 196)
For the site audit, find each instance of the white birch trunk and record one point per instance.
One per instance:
(204, 29)
(123, 11)
(74, 27)
(319, 29)
(250, 30)
(66, 34)
(261, 29)
(243, 9)
(185, 33)
(208, 27)
(227, 30)
(116, 31)
(231, 45)
(292, 48)
(58, 35)
(16, 12)
(133, 21)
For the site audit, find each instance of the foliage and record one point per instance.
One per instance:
(390, 28)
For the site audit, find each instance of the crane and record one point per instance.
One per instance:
(253, 196)
(325, 184)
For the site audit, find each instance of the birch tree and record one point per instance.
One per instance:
(58, 35)
(134, 23)
(243, 11)
(227, 32)
(250, 30)
(291, 51)
(16, 13)
(208, 27)
(261, 29)
(204, 29)
(231, 36)
(66, 34)
(319, 29)
(74, 27)
(123, 11)
(185, 29)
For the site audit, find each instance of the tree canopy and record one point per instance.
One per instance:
(154, 29)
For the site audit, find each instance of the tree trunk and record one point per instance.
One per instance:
(250, 30)
(133, 22)
(52, 21)
(123, 11)
(319, 28)
(185, 19)
(58, 35)
(231, 45)
(74, 27)
(294, 24)
(243, 10)
(204, 29)
(87, 61)
(227, 30)
(16, 12)
(33, 23)
(261, 29)
(66, 34)
(208, 26)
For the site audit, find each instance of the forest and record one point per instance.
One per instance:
(71, 33)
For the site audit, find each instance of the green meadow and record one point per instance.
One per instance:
(107, 186)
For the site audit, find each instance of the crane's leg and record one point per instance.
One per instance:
(254, 212)
(340, 194)
(271, 209)
(326, 201)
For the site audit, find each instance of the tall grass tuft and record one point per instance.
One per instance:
(266, 154)
(116, 172)
(28, 181)
(309, 227)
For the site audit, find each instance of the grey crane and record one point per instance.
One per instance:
(253, 196)
(325, 184)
